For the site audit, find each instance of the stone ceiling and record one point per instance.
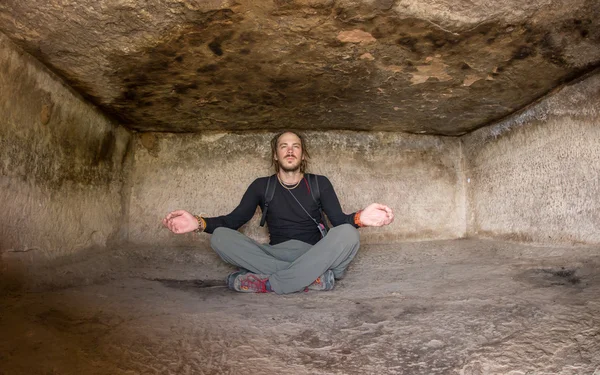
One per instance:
(435, 67)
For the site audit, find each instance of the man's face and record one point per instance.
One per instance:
(289, 152)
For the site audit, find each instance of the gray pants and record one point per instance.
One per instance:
(291, 265)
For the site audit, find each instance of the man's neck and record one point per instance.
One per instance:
(290, 178)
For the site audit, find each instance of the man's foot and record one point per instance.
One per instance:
(231, 277)
(324, 282)
(244, 281)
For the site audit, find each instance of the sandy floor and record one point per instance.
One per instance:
(445, 307)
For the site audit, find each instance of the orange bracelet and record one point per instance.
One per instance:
(357, 218)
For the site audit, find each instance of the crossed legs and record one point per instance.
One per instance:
(291, 265)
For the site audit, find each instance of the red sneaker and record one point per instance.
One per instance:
(248, 282)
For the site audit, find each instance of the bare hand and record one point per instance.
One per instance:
(376, 215)
(180, 221)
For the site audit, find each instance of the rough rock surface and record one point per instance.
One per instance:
(535, 177)
(440, 67)
(62, 166)
(446, 307)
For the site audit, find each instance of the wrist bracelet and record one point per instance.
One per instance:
(357, 219)
(201, 224)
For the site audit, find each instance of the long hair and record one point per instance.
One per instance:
(275, 139)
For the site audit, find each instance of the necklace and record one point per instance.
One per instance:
(289, 188)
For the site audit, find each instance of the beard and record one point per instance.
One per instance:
(290, 168)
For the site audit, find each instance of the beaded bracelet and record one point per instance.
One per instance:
(201, 224)
(357, 219)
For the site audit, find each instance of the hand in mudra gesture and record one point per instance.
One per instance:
(180, 221)
(376, 215)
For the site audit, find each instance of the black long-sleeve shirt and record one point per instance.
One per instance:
(285, 218)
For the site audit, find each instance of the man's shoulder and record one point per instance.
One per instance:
(261, 182)
(318, 183)
(318, 177)
(313, 175)
(264, 179)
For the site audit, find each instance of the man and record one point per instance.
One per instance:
(298, 257)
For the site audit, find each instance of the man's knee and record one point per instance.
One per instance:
(218, 237)
(347, 233)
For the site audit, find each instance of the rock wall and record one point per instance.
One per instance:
(535, 177)
(61, 165)
(418, 176)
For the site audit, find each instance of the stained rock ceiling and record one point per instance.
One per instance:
(435, 67)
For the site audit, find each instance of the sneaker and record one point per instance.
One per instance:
(231, 277)
(324, 282)
(244, 281)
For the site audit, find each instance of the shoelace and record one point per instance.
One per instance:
(255, 283)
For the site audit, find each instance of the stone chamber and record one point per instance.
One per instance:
(478, 124)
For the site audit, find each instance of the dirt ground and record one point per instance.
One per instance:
(444, 307)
